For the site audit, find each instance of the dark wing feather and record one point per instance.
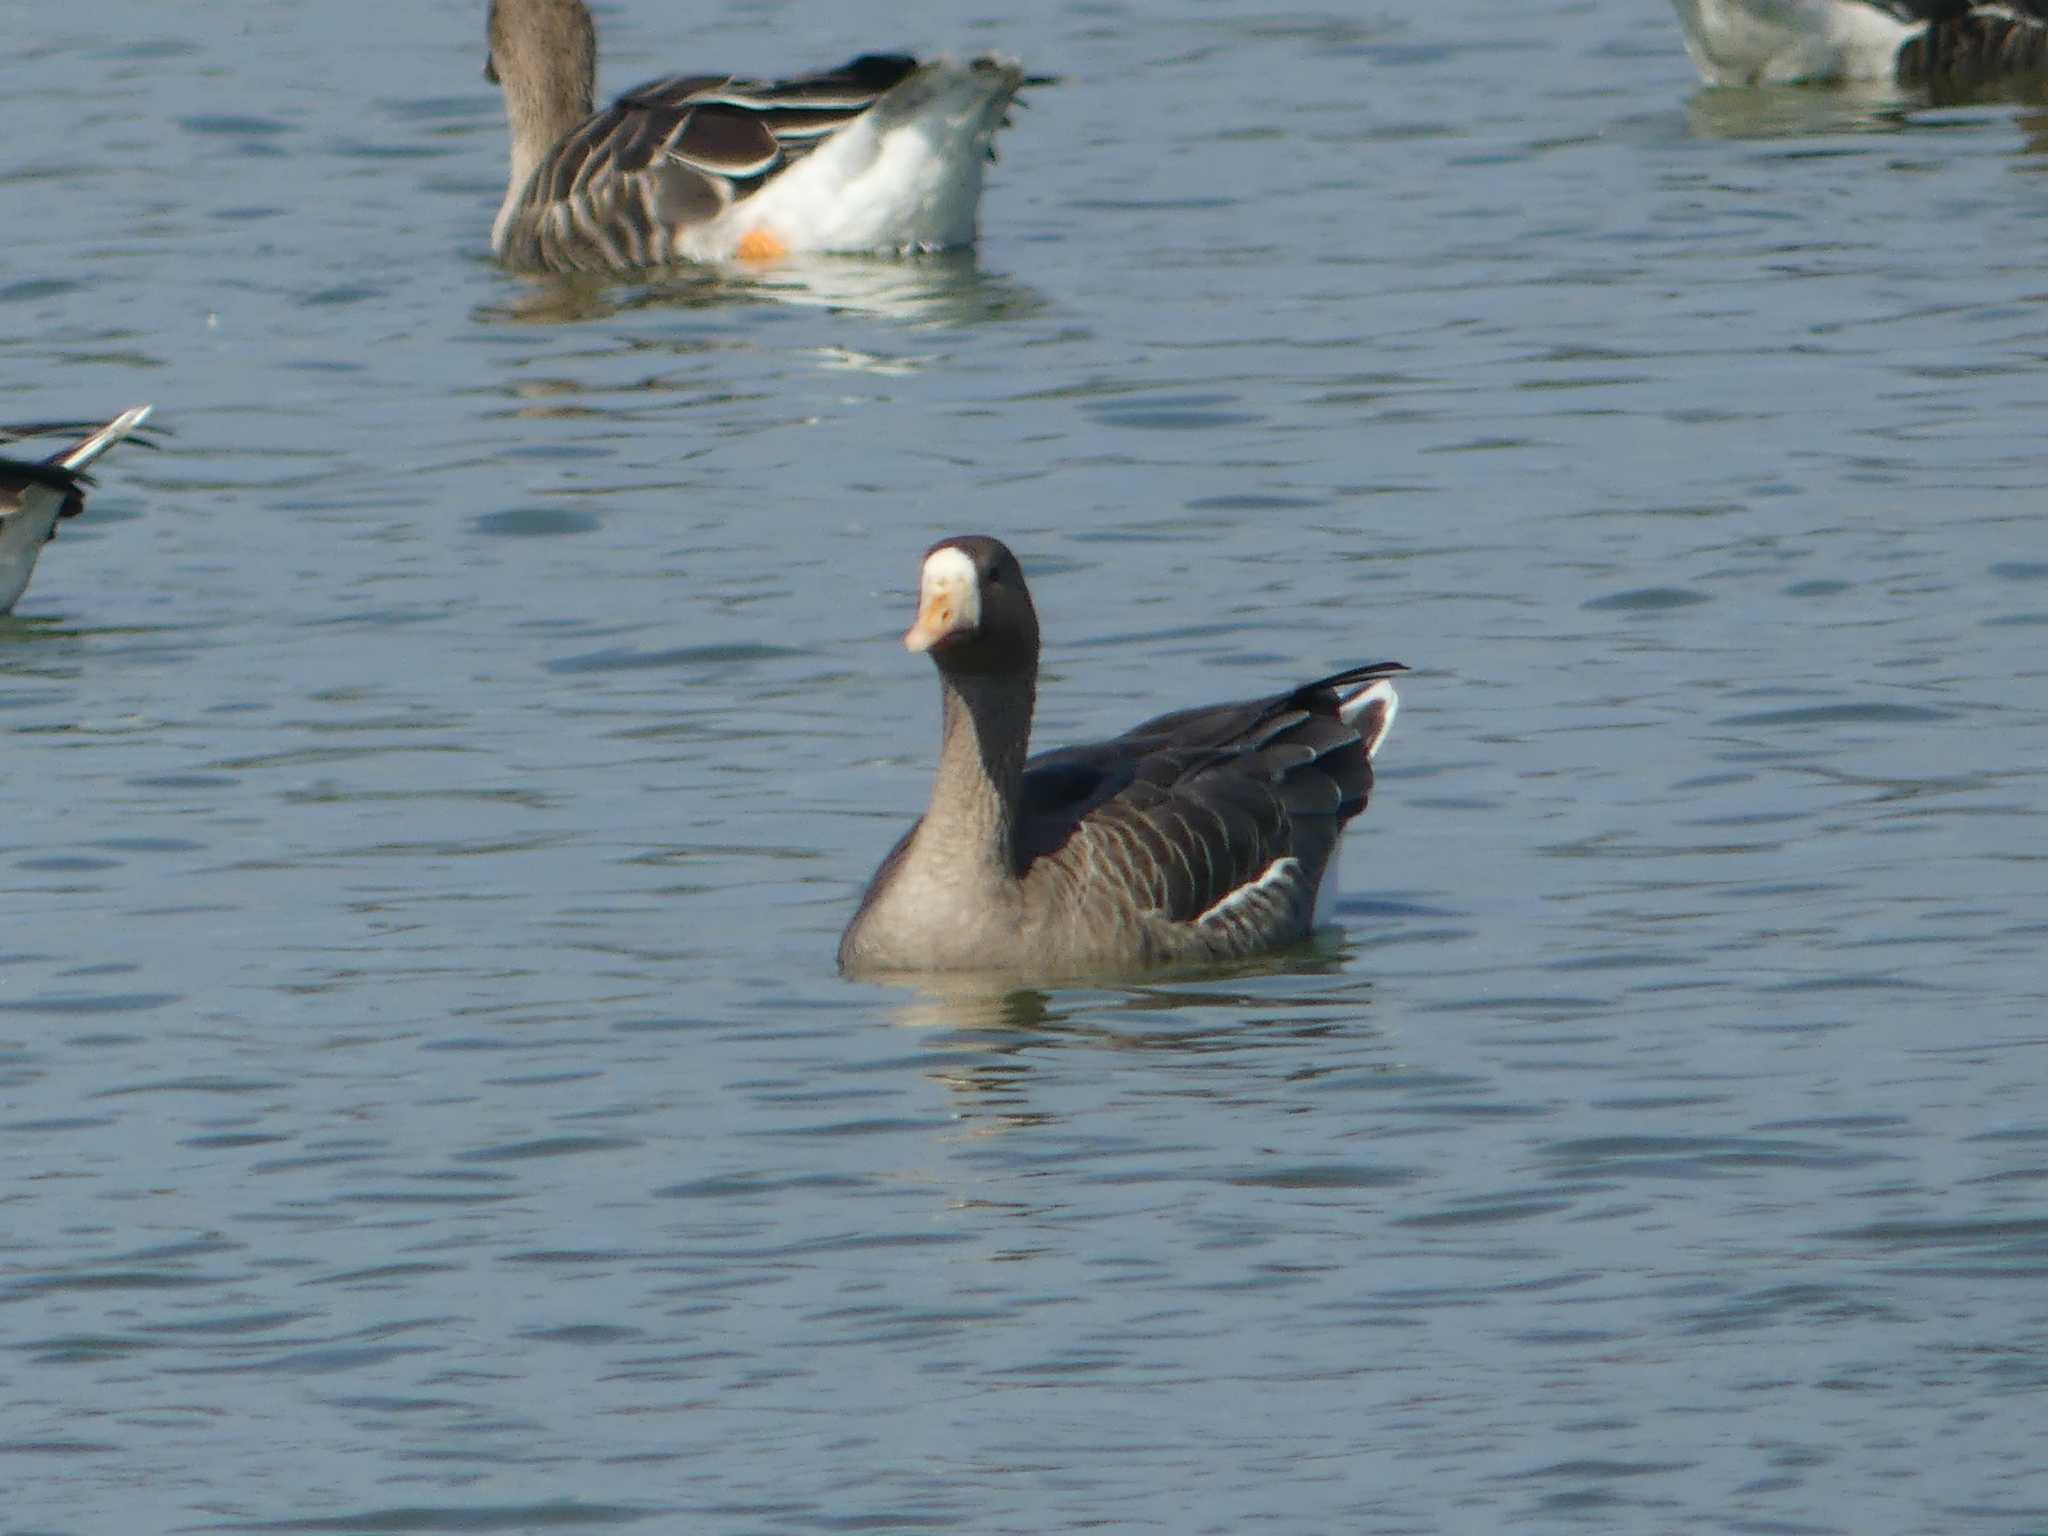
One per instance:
(850, 89)
(1061, 787)
(1973, 43)
(24, 431)
(1190, 806)
(1939, 11)
(15, 432)
(725, 141)
(799, 113)
(18, 475)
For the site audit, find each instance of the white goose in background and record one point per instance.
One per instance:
(1200, 836)
(35, 493)
(883, 154)
(1785, 42)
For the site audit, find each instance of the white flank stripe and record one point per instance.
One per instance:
(1281, 871)
(1779, 42)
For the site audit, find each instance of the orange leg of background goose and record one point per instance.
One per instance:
(759, 245)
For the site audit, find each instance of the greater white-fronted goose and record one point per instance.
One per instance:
(35, 493)
(1201, 835)
(884, 154)
(1785, 42)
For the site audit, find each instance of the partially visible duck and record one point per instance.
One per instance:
(1783, 42)
(1201, 835)
(35, 493)
(883, 154)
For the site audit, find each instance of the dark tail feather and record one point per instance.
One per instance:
(28, 431)
(70, 483)
(1364, 674)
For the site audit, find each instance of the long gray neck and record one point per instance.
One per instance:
(542, 108)
(971, 823)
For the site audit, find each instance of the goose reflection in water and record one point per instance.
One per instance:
(950, 288)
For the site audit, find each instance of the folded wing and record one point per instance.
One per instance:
(1220, 815)
(679, 151)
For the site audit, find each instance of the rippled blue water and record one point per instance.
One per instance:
(435, 782)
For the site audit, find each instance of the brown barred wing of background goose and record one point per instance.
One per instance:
(1966, 43)
(1199, 835)
(676, 154)
(715, 167)
(35, 494)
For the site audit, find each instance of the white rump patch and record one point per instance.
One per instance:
(1282, 871)
(1780, 42)
(904, 175)
(1352, 707)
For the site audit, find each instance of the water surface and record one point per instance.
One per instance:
(436, 782)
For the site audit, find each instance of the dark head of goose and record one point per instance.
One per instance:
(974, 613)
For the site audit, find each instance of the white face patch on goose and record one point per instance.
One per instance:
(948, 599)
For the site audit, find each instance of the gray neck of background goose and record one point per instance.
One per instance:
(549, 90)
(972, 819)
